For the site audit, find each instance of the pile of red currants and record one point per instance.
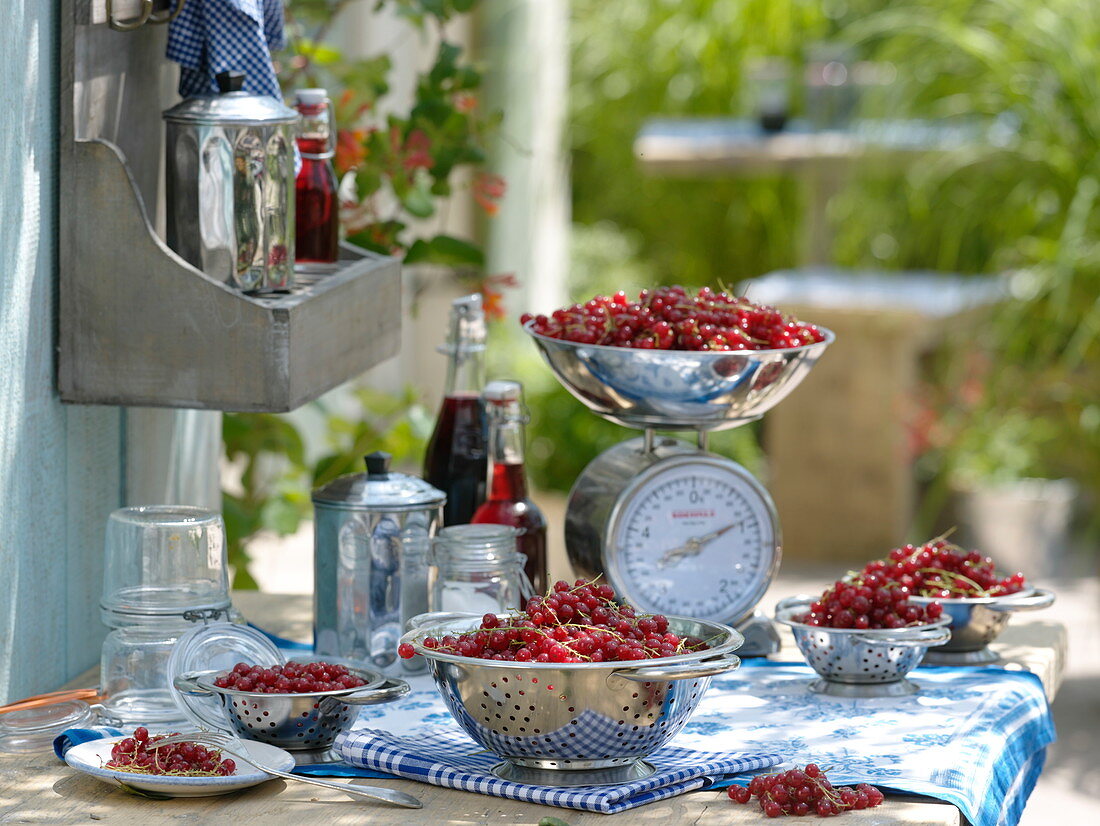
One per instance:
(804, 791)
(868, 601)
(944, 571)
(580, 623)
(140, 754)
(671, 318)
(292, 678)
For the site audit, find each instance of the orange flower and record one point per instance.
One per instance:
(350, 150)
(488, 189)
(493, 302)
(465, 102)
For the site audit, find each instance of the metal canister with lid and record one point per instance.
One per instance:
(372, 534)
(230, 175)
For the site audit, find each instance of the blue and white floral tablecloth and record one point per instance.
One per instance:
(974, 737)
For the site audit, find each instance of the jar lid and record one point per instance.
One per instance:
(232, 106)
(476, 545)
(379, 489)
(34, 729)
(217, 647)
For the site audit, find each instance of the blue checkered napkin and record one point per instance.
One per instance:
(213, 36)
(446, 757)
(75, 736)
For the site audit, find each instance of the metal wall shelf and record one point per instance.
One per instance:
(138, 325)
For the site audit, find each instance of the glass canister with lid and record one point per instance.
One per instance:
(478, 570)
(372, 533)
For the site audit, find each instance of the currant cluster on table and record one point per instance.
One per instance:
(944, 571)
(804, 791)
(868, 601)
(292, 678)
(572, 624)
(671, 318)
(140, 754)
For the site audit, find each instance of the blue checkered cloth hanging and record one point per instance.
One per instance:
(446, 757)
(213, 36)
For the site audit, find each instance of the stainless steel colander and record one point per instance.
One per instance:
(574, 724)
(976, 622)
(295, 722)
(855, 663)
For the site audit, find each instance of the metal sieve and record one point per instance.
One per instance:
(976, 622)
(574, 724)
(295, 722)
(860, 663)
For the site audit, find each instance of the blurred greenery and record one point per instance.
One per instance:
(1013, 394)
(276, 474)
(1024, 206)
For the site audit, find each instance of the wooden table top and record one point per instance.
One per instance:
(38, 789)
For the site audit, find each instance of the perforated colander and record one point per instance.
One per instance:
(851, 657)
(570, 724)
(296, 722)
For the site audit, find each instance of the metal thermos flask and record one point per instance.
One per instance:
(372, 534)
(230, 186)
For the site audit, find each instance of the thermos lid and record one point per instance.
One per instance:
(231, 107)
(379, 489)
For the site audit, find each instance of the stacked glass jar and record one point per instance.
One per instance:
(165, 569)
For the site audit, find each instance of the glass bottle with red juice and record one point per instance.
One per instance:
(507, 502)
(316, 211)
(455, 461)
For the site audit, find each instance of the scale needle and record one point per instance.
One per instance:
(693, 546)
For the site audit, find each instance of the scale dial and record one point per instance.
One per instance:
(693, 534)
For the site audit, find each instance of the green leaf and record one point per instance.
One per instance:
(281, 516)
(419, 201)
(447, 250)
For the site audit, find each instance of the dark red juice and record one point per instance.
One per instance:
(455, 461)
(508, 505)
(317, 220)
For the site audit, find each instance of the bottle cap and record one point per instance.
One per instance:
(503, 391)
(467, 325)
(311, 97)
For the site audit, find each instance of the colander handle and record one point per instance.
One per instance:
(1042, 598)
(391, 689)
(679, 671)
(188, 687)
(433, 617)
(919, 636)
(800, 601)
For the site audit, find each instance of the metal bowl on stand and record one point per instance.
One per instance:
(678, 389)
(976, 622)
(574, 724)
(860, 663)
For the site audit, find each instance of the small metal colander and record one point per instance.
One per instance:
(295, 722)
(574, 724)
(855, 663)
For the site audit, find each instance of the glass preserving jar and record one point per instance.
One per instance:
(477, 569)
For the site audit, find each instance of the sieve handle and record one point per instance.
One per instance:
(1042, 598)
(392, 689)
(188, 687)
(920, 636)
(800, 601)
(679, 671)
(433, 617)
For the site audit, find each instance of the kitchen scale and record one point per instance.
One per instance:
(674, 528)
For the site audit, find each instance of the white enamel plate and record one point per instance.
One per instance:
(91, 758)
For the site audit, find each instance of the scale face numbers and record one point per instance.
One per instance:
(694, 535)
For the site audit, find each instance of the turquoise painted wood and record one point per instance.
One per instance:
(60, 466)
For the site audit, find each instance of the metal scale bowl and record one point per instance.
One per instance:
(674, 528)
